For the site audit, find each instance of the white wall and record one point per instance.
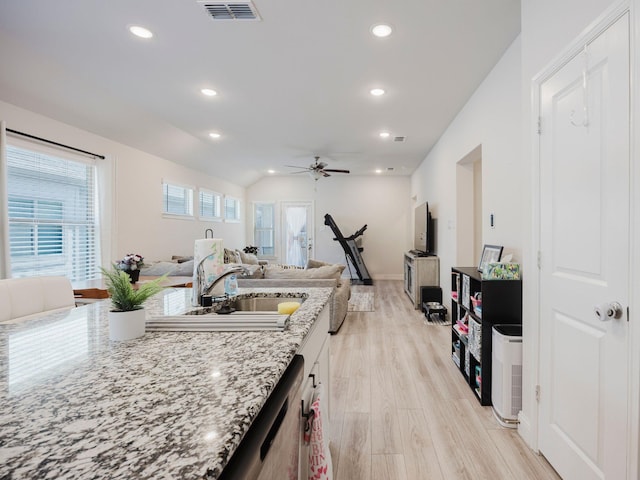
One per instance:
(138, 223)
(382, 203)
(490, 119)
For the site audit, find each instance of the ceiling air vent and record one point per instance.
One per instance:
(399, 139)
(231, 10)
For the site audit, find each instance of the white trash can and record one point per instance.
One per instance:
(506, 373)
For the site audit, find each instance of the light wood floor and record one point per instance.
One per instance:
(401, 410)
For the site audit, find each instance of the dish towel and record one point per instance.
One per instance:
(320, 467)
(211, 251)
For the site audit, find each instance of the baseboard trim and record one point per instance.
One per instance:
(525, 431)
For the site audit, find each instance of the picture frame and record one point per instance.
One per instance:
(490, 254)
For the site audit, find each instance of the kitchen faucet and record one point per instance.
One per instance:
(205, 290)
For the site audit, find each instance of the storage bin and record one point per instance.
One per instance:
(467, 363)
(475, 338)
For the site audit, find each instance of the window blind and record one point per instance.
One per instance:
(210, 204)
(177, 200)
(231, 209)
(264, 227)
(52, 210)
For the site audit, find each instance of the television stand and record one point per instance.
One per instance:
(418, 253)
(420, 271)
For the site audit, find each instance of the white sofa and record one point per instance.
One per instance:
(21, 298)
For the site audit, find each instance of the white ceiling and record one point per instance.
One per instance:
(291, 86)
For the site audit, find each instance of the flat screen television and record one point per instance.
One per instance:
(424, 237)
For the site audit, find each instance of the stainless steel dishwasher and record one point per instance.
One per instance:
(270, 448)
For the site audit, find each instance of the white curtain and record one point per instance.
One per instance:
(4, 218)
(296, 220)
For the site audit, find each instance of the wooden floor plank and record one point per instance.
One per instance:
(388, 467)
(355, 448)
(401, 410)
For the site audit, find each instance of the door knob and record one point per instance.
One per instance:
(607, 311)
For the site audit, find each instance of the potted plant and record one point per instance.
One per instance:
(131, 263)
(127, 317)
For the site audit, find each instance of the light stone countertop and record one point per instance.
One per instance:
(169, 405)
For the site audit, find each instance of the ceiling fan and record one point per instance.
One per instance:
(317, 169)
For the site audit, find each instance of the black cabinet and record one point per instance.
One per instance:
(476, 306)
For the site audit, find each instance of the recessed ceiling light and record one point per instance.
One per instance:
(271, 171)
(378, 170)
(214, 135)
(381, 30)
(376, 92)
(209, 92)
(141, 32)
(384, 134)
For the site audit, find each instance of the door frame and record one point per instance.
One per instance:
(530, 417)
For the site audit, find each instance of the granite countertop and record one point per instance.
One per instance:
(167, 405)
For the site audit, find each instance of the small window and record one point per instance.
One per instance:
(177, 200)
(210, 205)
(231, 209)
(264, 228)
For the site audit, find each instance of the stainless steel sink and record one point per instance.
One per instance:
(243, 313)
(262, 304)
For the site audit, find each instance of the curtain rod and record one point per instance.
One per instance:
(33, 137)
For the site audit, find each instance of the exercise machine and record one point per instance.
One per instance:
(351, 251)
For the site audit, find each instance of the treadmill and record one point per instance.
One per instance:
(351, 252)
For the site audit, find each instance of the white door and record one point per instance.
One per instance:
(297, 231)
(584, 238)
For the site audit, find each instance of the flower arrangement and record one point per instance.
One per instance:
(250, 249)
(130, 262)
(123, 296)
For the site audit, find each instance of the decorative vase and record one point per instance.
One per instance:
(126, 325)
(134, 275)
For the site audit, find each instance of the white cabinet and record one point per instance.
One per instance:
(420, 272)
(315, 350)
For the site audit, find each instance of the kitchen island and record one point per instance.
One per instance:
(167, 405)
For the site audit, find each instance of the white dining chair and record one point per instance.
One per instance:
(24, 297)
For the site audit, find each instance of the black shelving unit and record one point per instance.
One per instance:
(501, 304)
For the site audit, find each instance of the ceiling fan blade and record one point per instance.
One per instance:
(336, 171)
(297, 166)
(300, 171)
(324, 173)
(320, 165)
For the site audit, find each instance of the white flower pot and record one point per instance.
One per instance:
(126, 325)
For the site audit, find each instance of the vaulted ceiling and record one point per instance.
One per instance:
(291, 85)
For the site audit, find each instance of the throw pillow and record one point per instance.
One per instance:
(248, 258)
(229, 256)
(316, 263)
(254, 271)
(160, 268)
